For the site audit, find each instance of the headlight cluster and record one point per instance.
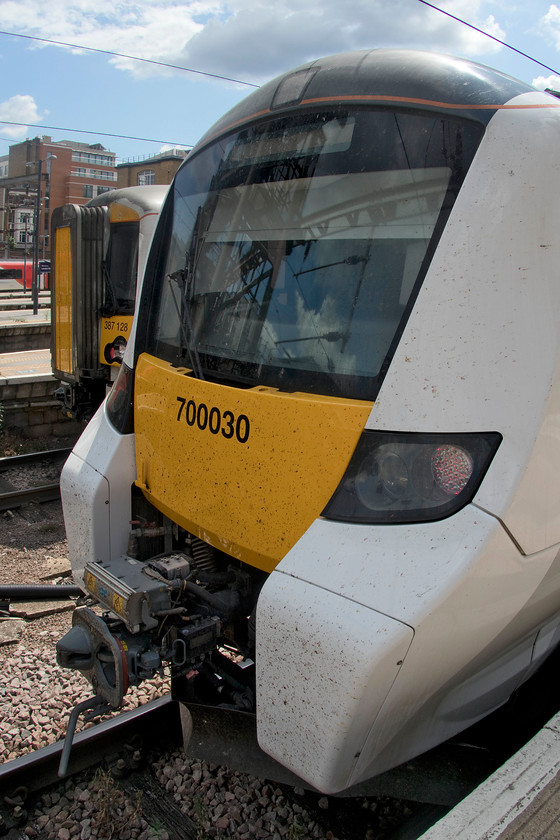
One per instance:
(401, 477)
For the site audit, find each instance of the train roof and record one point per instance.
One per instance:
(141, 199)
(401, 78)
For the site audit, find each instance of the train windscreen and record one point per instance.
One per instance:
(121, 268)
(297, 247)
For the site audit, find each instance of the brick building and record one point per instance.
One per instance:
(158, 169)
(64, 172)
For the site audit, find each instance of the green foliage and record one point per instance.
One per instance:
(114, 813)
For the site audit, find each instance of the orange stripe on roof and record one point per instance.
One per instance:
(373, 97)
(413, 101)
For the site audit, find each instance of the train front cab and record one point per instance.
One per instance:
(344, 436)
(99, 252)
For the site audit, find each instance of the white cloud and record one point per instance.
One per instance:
(260, 40)
(150, 30)
(18, 109)
(544, 82)
(249, 39)
(550, 25)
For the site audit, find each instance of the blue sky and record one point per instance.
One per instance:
(248, 40)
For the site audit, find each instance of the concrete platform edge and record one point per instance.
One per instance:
(26, 378)
(492, 807)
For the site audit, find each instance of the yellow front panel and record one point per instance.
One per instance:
(113, 330)
(121, 213)
(63, 301)
(246, 470)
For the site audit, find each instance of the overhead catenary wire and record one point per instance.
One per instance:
(492, 37)
(101, 133)
(130, 57)
(116, 55)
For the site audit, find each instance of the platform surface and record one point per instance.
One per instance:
(25, 316)
(520, 801)
(26, 363)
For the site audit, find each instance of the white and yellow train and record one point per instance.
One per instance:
(99, 253)
(333, 448)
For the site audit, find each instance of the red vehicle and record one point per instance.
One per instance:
(17, 274)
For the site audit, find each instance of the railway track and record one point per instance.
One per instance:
(39, 490)
(156, 724)
(124, 745)
(129, 744)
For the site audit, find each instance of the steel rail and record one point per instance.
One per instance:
(8, 462)
(12, 498)
(155, 723)
(17, 498)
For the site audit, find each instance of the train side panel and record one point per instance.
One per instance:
(17, 274)
(490, 358)
(97, 476)
(481, 351)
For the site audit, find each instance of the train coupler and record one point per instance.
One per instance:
(91, 648)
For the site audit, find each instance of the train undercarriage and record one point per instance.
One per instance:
(171, 600)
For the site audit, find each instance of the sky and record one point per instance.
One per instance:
(138, 108)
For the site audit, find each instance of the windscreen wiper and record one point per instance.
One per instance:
(180, 278)
(328, 336)
(184, 278)
(352, 260)
(108, 308)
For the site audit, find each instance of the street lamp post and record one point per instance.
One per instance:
(25, 220)
(36, 226)
(34, 279)
(46, 214)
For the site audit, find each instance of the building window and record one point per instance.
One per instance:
(146, 177)
(101, 190)
(101, 174)
(86, 157)
(88, 191)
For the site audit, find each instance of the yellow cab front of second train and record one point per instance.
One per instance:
(99, 252)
